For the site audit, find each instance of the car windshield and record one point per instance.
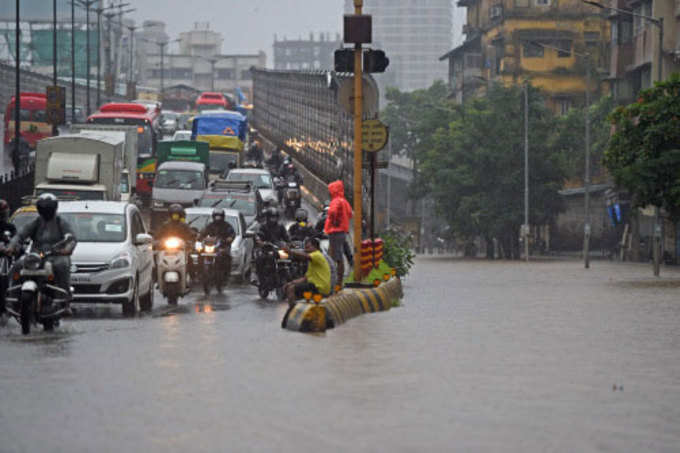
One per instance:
(261, 181)
(179, 179)
(72, 194)
(219, 162)
(199, 221)
(94, 227)
(170, 116)
(243, 205)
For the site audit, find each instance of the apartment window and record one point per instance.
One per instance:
(532, 50)
(563, 106)
(542, 2)
(565, 48)
(625, 31)
(521, 3)
(227, 74)
(245, 74)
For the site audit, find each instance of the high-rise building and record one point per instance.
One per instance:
(308, 54)
(414, 34)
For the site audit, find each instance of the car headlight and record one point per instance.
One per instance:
(32, 262)
(158, 204)
(120, 262)
(283, 255)
(198, 246)
(209, 249)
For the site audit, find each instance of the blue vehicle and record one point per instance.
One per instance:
(225, 131)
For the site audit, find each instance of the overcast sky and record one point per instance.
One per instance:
(246, 25)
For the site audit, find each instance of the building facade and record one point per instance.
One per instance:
(414, 35)
(549, 43)
(310, 54)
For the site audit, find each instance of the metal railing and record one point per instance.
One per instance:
(298, 111)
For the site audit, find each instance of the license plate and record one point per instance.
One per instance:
(80, 278)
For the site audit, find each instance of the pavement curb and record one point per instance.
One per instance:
(341, 307)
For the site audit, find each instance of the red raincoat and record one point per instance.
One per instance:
(339, 211)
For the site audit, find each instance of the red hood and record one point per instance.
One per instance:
(336, 189)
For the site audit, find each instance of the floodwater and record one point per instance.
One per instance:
(481, 356)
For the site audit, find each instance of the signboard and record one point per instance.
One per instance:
(370, 95)
(374, 135)
(56, 105)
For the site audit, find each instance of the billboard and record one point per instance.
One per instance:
(41, 11)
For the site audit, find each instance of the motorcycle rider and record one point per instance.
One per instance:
(272, 230)
(255, 153)
(301, 230)
(45, 231)
(222, 230)
(274, 161)
(8, 230)
(176, 226)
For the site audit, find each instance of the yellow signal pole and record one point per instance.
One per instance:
(358, 158)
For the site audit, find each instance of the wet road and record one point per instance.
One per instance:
(480, 357)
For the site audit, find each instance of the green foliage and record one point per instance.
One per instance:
(475, 168)
(644, 152)
(569, 139)
(397, 251)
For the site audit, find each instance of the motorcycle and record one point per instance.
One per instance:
(34, 298)
(210, 251)
(172, 269)
(273, 268)
(292, 198)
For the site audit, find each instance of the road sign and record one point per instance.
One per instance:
(374, 135)
(56, 105)
(370, 93)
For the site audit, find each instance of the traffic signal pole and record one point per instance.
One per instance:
(358, 158)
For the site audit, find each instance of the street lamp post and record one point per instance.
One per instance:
(73, 61)
(54, 53)
(87, 4)
(526, 172)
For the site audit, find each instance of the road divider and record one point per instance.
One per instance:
(341, 307)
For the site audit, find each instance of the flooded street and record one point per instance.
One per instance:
(481, 357)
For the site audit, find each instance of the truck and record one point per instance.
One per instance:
(181, 176)
(128, 178)
(226, 133)
(84, 166)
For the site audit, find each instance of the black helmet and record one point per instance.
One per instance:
(47, 206)
(272, 215)
(218, 213)
(301, 215)
(4, 210)
(176, 212)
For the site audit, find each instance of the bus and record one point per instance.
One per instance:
(33, 115)
(133, 114)
(212, 100)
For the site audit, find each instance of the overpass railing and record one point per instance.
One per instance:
(298, 111)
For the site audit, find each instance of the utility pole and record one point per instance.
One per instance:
(358, 154)
(388, 202)
(586, 182)
(526, 172)
(87, 4)
(17, 94)
(54, 54)
(73, 61)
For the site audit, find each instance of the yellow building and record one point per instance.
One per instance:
(542, 41)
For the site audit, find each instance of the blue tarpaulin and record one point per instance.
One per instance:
(227, 123)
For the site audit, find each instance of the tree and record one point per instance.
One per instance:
(475, 168)
(569, 140)
(644, 153)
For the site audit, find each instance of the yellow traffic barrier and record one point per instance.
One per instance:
(341, 307)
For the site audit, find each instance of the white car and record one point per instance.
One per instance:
(241, 247)
(262, 180)
(181, 135)
(113, 261)
(169, 122)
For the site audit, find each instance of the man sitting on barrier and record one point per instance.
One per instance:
(317, 280)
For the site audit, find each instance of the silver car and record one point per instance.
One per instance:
(113, 260)
(261, 179)
(241, 247)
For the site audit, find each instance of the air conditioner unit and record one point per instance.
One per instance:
(495, 11)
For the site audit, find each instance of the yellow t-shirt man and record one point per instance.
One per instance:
(319, 272)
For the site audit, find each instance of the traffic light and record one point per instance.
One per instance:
(344, 60)
(375, 61)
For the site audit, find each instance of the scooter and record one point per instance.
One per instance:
(292, 198)
(172, 269)
(34, 298)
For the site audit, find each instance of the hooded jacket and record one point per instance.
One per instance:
(339, 211)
